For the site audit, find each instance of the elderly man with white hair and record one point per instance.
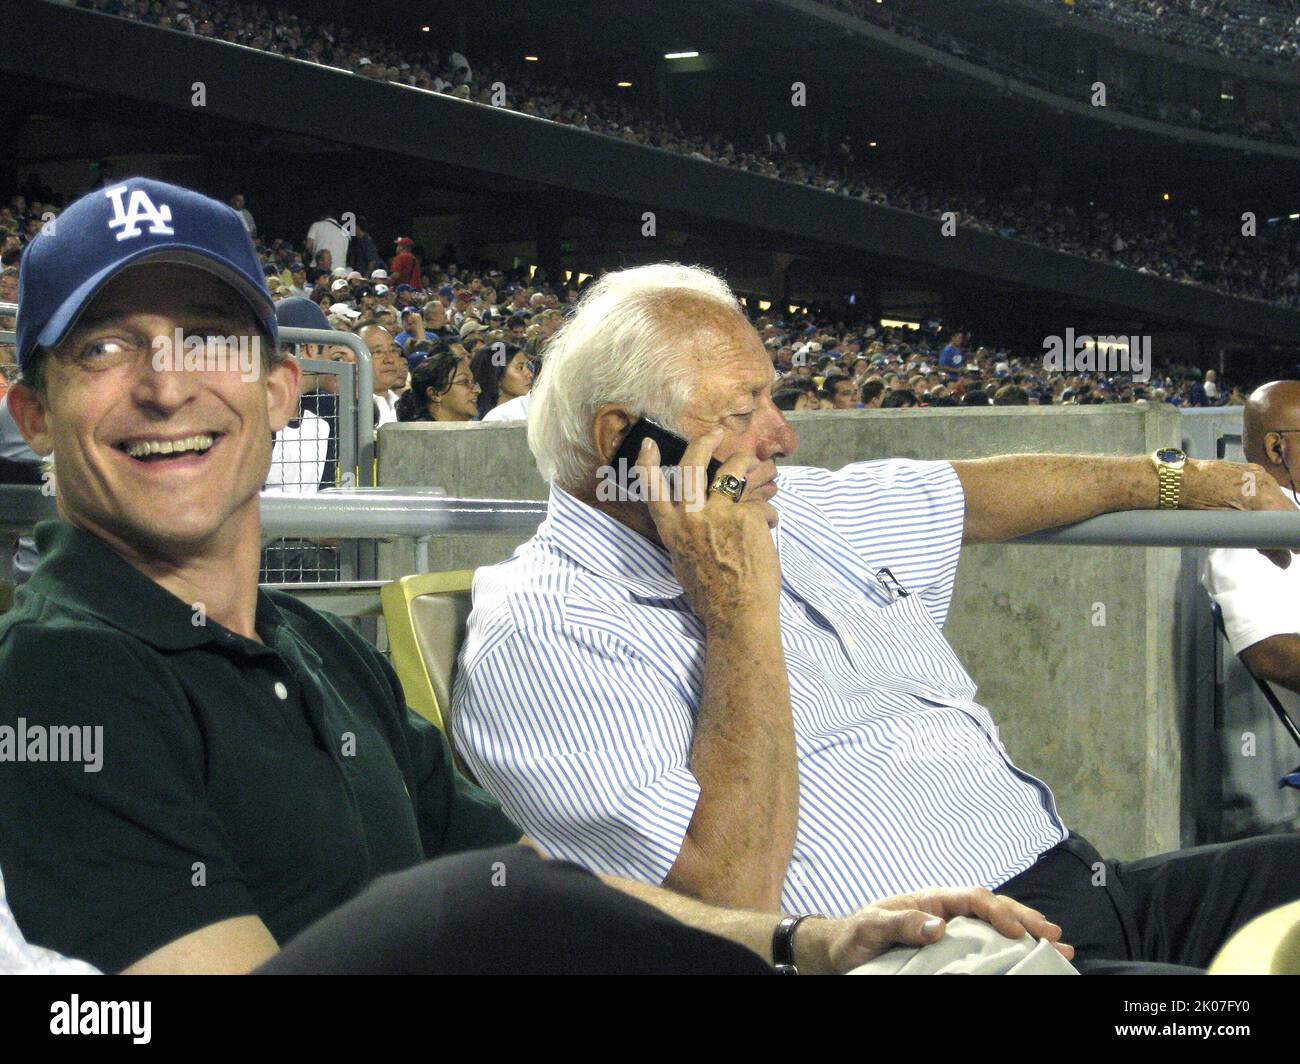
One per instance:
(736, 685)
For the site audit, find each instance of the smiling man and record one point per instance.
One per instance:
(747, 695)
(265, 799)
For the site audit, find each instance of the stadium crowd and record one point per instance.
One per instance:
(477, 323)
(1172, 242)
(1258, 31)
(1279, 128)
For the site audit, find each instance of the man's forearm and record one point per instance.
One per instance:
(753, 930)
(740, 838)
(1017, 494)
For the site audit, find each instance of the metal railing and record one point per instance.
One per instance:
(362, 514)
(362, 413)
(386, 515)
(8, 336)
(1185, 528)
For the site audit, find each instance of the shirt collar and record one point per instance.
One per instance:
(79, 570)
(598, 543)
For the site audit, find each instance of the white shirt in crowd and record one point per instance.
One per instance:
(385, 408)
(327, 233)
(1258, 600)
(515, 409)
(298, 456)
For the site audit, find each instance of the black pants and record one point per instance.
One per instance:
(1171, 913)
(503, 911)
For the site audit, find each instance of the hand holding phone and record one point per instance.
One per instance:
(723, 553)
(671, 449)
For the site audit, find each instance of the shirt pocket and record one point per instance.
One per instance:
(902, 643)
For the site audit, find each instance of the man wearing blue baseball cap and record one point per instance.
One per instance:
(247, 789)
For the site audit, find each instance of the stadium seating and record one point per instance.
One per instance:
(425, 615)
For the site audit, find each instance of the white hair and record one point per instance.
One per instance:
(622, 346)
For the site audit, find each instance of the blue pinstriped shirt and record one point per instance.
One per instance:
(583, 669)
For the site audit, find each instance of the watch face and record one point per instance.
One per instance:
(1170, 454)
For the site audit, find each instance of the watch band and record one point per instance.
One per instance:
(1170, 474)
(783, 942)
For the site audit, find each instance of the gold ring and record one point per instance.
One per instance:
(731, 486)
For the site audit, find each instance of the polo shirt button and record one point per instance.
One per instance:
(281, 692)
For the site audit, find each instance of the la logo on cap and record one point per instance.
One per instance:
(139, 209)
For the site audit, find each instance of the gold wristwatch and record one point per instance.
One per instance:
(1169, 462)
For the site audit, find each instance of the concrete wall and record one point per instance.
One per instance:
(1094, 709)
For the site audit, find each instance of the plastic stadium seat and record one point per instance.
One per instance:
(426, 615)
(1268, 945)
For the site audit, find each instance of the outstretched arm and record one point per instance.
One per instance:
(1016, 494)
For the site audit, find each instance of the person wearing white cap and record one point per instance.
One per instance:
(379, 275)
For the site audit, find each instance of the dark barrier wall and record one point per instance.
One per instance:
(52, 44)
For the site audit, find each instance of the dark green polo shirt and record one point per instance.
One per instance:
(235, 778)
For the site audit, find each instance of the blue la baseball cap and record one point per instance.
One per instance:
(131, 222)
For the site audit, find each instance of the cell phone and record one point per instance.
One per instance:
(671, 450)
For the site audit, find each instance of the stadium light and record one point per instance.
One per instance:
(424, 29)
(764, 304)
(1165, 196)
(871, 144)
(624, 84)
(681, 55)
(530, 59)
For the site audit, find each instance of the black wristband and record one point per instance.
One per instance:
(783, 942)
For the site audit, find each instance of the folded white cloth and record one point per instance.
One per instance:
(972, 947)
